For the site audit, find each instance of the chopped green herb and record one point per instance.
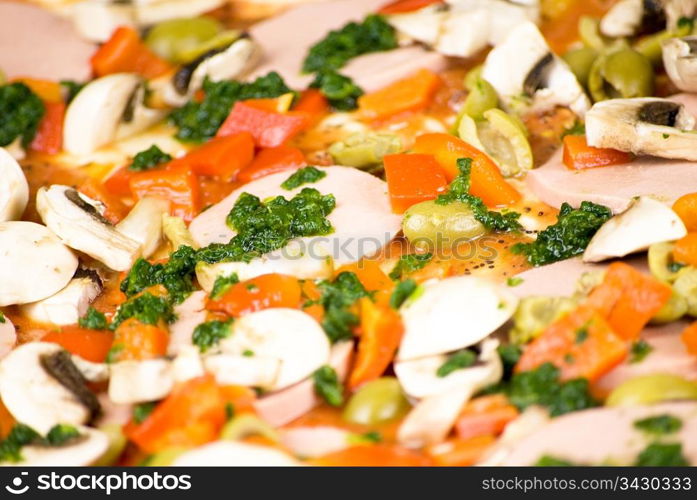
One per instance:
(514, 281)
(327, 385)
(568, 237)
(463, 358)
(659, 425)
(370, 437)
(199, 121)
(578, 128)
(146, 308)
(459, 191)
(208, 334)
(93, 319)
(402, 292)
(248, 353)
(60, 434)
(662, 455)
(149, 159)
(410, 263)
(541, 386)
(113, 354)
(551, 461)
(222, 284)
(176, 275)
(374, 34)
(338, 295)
(581, 335)
(20, 113)
(509, 354)
(142, 411)
(341, 92)
(305, 175)
(2, 317)
(263, 227)
(639, 350)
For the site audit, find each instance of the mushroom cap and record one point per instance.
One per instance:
(14, 190)
(36, 264)
(680, 62)
(234, 454)
(66, 306)
(84, 450)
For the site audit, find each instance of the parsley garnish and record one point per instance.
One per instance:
(208, 334)
(149, 159)
(463, 358)
(327, 385)
(305, 175)
(409, 263)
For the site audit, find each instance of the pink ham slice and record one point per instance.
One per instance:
(615, 186)
(284, 406)
(39, 44)
(593, 437)
(286, 39)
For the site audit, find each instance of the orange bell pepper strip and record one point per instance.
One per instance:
(413, 93)
(137, 341)
(628, 299)
(47, 90)
(485, 415)
(685, 250)
(486, 180)
(175, 182)
(115, 209)
(402, 6)
(312, 105)
(580, 343)
(381, 332)
(92, 345)
(686, 208)
(689, 338)
(240, 397)
(271, 160)
(190, 416)
(49, 134)
(262, 292)
(578, 155)
(310, 293)
(7, 421)
(412, 178)
(372, 277)
(125, 52)
(221, 157)
(460, 452)
(379, 455)
(269, 129)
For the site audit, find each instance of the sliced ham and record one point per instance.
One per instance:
(39, 44)
(286, 39)
(553, 280)
(668, 355)
(363, 223)
(284, 406)
(575, 437)
(615, 186)
(8, 337)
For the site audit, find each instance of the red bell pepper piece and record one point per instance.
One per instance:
(272, 160)
(176, 183)
(49, 135)
(221, 157)
(125, 52)
(269, 129)
(402, 6)
(412, 178)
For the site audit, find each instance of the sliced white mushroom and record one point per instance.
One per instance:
(624, 18)
(96, 21)
(69, 304)
(644, 126)
(154, 11)
(8, 336)
(76, 221)
(144, 224)
(190, 314)
(14, 190)
(35, 263)
(83, 450)
(632, 17)
(140, 381)
(187, 364)
(233, 62)
(423, 25)
(290, 336)
(32, 395)
(251, 371)
(137, 116)
(419, 377)
(234, 454)
(94, 115)
(680, 62)
(645, 222)
(16, 150)
(315, 441)
(93, 372)
(453, 40)
(363, 224)
(528, 76)
(452, 314)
